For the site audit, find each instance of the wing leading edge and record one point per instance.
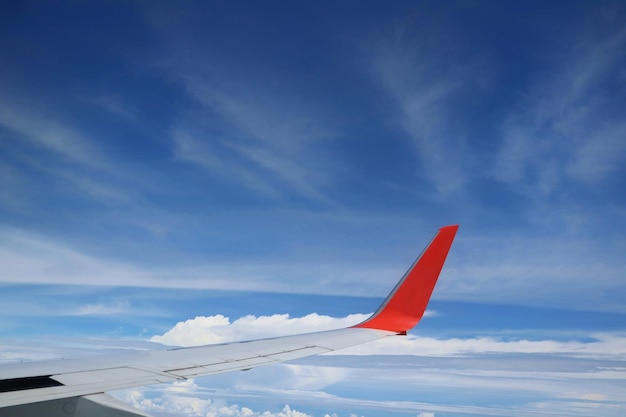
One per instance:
(76, 388)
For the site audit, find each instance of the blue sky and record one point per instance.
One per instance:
(282, 163)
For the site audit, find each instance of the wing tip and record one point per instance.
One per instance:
(405, 305)
(450, 227)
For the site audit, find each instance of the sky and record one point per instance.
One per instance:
(195, 172)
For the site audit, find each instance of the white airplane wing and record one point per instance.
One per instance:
(76, 388)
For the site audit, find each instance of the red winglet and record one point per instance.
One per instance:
(405, 305)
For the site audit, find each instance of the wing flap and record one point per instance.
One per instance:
(122, 375)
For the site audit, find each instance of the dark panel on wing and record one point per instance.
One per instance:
(31, 382)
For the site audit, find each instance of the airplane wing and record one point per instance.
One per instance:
(76, 388)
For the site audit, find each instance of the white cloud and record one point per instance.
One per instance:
(219, 329)
(184, 386)
(99, 309)
(173, 403)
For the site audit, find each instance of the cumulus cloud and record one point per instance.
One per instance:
(172, 402)
(204, 330)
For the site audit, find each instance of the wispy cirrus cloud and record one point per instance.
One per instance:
(50, 134)
(214, 155)
(568, 127)
(45, 150)
(498, 270)
(264, 138)
(36, 258)
(424, 87)
(100, 309)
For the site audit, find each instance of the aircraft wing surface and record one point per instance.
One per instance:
(76, 388)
